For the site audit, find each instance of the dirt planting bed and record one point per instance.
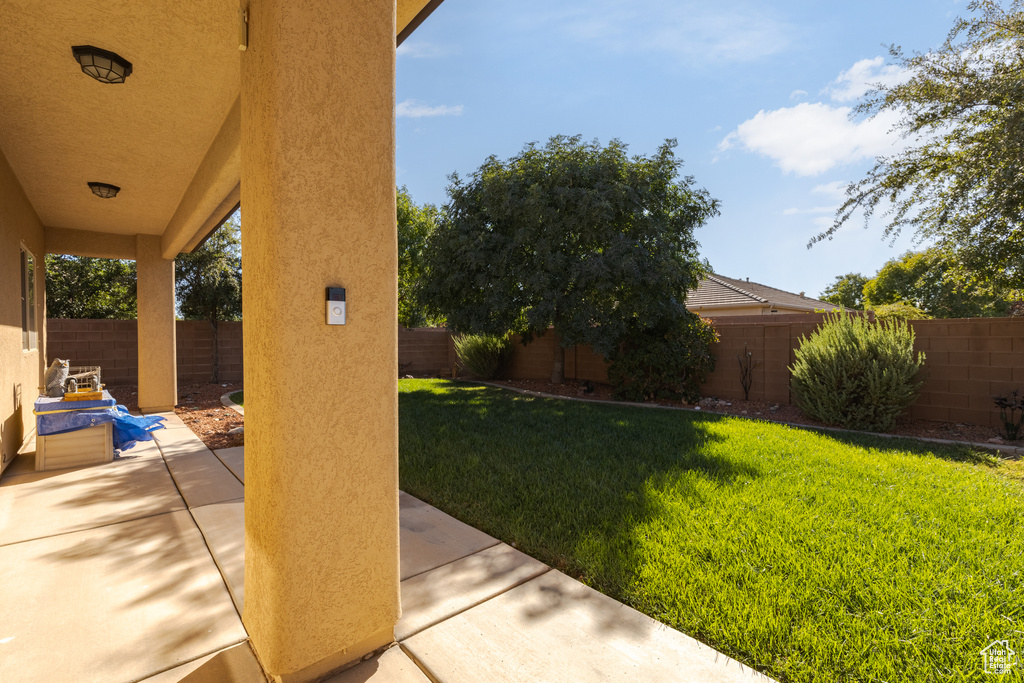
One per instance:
(200, 408)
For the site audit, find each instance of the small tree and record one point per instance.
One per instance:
(901, 310)
(209, 281)
(415, 225)
(923, 280)
(847, 291)
(82, 287)
(572, 235)
(960, 180)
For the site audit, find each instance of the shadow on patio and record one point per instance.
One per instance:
(133, 570)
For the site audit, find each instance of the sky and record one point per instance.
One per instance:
(759, 96)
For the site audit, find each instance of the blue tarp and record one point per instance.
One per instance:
(56, 416)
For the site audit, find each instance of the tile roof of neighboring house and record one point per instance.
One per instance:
(717, 291)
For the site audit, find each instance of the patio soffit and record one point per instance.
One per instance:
(168, 136)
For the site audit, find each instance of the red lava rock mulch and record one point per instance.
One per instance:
(773, 412)
(199, 407)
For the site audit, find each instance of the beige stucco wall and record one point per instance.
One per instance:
(158, 388)
(321, 495)
(20, 371)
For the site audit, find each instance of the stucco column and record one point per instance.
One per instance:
(158, 364)
(318, 191)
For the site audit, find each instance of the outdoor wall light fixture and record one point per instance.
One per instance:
(104, 190)
(103, 65)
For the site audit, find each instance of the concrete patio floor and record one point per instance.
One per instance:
(133, 571)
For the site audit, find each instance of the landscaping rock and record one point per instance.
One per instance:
(237, 430)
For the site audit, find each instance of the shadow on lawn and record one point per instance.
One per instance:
(566, 482)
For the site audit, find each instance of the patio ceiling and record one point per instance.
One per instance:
(169, 136)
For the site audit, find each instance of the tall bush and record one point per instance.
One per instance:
(668, 361)
(483, 355)
(857, 374)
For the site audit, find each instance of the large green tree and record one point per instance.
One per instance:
(82, 287)
(209, 281)
(572, 235)
(923, 280)
(959, 183)
(847, 290)
(415, 225)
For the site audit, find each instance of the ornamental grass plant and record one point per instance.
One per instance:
(484, 355)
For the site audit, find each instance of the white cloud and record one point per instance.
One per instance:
(836, 190)
(809, 139)
(823, 222)
(863, 76)
(414, 109)
(421, 50)
(812, 210)
(693, 32)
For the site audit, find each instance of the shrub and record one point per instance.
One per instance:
(857, 374)
(666, 362)
(900, 311)
(1009, 405)
(483, 355)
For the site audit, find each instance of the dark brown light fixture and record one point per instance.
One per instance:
(104, 190)
(103, 65)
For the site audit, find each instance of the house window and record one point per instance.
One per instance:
(28, 300)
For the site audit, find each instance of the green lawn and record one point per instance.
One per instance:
(811, 557)
(238, 397)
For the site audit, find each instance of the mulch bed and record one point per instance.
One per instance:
(773, 412)
(199, 407)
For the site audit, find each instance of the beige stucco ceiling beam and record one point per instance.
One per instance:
(215, 179)
(222, 213)
(89, 243)
(410, 14)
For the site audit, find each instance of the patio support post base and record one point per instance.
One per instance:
(339, 661)
(321, 403)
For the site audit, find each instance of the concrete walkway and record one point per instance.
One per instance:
(134, 571)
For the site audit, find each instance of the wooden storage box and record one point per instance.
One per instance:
(88, 446)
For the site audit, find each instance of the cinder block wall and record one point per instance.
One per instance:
(194, 341)
(111, 344)
(114, 346)
(968, 362)
(425, 351)
(533, 361)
